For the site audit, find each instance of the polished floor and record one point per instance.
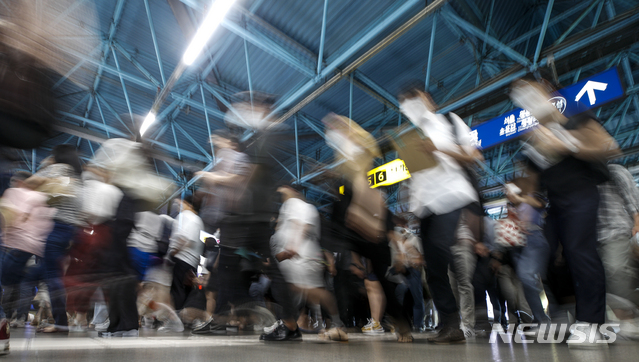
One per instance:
(151, 346)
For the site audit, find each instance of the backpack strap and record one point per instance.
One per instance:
(455, 128)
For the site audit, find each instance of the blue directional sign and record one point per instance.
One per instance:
(590, 93)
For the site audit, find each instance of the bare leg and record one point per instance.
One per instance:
(376, 298)
(210, 303)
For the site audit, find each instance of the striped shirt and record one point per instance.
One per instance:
(68, 205)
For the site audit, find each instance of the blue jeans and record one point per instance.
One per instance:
(414, 285)
(16, 275)
(531, 262)
(57, 247)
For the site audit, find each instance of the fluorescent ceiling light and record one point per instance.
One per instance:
(148, 121)
(217, 12)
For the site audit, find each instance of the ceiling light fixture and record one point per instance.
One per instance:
(213, 19)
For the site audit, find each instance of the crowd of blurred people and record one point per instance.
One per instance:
(94, 245)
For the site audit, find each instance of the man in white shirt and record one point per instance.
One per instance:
(185, 248)
(438, 195)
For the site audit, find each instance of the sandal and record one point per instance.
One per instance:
(333, 334)
(54, 329)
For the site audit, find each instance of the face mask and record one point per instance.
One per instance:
(531, 99)
(414, 109)
(343, 145)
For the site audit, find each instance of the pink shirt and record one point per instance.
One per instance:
(32, 223)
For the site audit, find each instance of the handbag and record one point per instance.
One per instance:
(509, 233)
(366, 214)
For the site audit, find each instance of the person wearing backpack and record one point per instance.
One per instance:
(571, 154)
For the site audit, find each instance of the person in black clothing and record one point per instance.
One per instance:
(248, 206)
(571, 153)
(121, 282)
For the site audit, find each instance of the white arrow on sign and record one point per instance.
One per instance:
(590, 88)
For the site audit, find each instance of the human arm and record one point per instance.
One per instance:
(221, 178)
(330, 259)
(356, 266)
(595, 142)
(589, 142)
(527, 199)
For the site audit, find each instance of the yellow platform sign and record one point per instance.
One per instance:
(388, 174)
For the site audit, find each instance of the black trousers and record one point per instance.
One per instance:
(234, 283)
(180, 287)
(438, 235)
(120, 282)
(572, 222)
(122, 297)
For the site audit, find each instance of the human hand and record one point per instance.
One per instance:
(482, 250)
(332, 269)
(357, 271)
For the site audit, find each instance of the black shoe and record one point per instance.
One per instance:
(210, 327)
(449, 335)
(281, 334)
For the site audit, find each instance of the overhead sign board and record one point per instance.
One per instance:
(588, 94)
(388, 174)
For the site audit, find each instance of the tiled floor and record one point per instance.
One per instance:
(150, 346)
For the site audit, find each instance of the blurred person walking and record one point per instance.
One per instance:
(247, 188)
(27, 223)
(127, 163)
(408, 260)
(360, 218)
(438, 196)
(571, 153)
(531, 260)
(618, 223)
(296, 248)
(61, 181)
(86, 266)
(185, 250)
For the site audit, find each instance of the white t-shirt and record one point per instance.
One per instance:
(147, 231)
(306, 214)
(187, 226)
(445, 187)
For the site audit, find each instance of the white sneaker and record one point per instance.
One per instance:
(171, 327)
(373, 327)
(269, 330)
(581, 336)
(197, 323)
